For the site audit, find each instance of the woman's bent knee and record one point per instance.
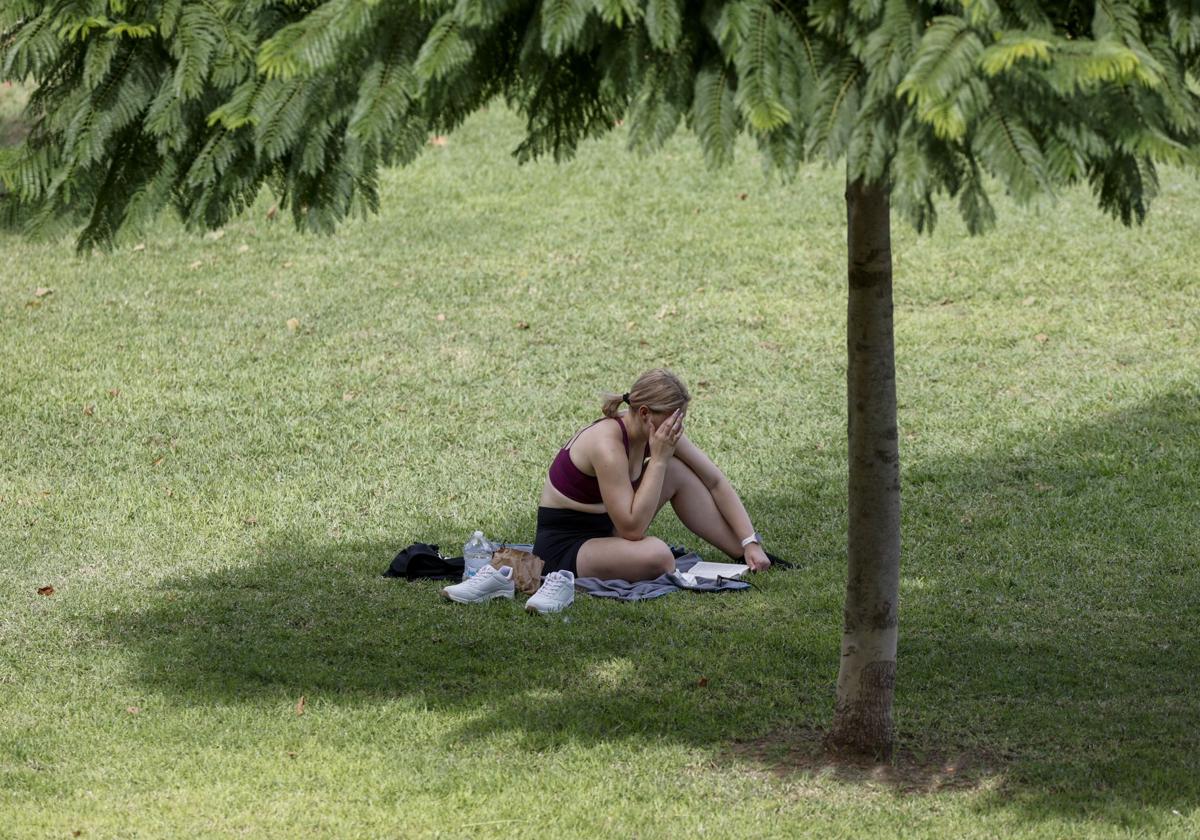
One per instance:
(661, 558)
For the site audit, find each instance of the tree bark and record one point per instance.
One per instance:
(862, 720)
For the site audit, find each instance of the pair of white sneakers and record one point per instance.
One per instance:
(556, 593)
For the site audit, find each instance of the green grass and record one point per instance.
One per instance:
(213, 496)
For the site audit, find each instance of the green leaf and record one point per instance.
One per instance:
(714, 114)
(947, 55)
(664, 23)
(131, 30)
(444, 49)
(758, 63)
(1011, 48)
(1013, 154)
(618, 12)
(562, 21)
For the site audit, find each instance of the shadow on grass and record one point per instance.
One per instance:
(1044, 634)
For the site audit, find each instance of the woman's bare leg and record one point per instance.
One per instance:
(616, 558)
(697, 510)
(645, 559)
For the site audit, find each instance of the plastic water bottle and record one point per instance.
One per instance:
(477, 553)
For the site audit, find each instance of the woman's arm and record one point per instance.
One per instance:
(630, 511)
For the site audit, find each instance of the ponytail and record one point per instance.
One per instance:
(611, 405)
(659, 389)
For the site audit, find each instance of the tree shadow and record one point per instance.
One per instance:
(1044, 633)
(1046, 651)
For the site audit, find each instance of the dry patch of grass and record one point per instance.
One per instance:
(800, 752)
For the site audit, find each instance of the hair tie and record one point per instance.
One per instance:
(625, 398)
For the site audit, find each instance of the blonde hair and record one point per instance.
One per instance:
(658, 389)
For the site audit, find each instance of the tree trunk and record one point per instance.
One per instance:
(862, 720)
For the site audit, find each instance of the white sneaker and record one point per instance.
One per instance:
(488, 583)
(557, 593)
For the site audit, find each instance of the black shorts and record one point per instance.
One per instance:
(561, 533)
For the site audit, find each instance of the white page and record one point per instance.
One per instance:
(704, 569)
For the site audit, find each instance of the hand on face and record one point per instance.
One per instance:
(665, 435)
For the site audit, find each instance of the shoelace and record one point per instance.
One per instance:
(486, 573)
(554, 582)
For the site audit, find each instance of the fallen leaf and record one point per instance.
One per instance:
(141, 246)
(349, 395)
(77, 833)
(32, 304)
(702, 682)
(437, 140)
(45, 590)
(300, 705)
(158, 463)
(272, 212)
(441, 316)
(522, 325)
(89, 409)
(293, 324)
(631, 325)
(1042, 488)
(250, 520)
(214, 235)
(195, 264)
(133, 710)
(1041, 338)
(288, 264)
(663, 311)
(169, 492)
(114, 392)
(243, 249)
(1029, 301)
(41, 292)
(291, 755)
(743, 196)
(703, 383)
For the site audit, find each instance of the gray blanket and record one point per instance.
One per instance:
(644, 590)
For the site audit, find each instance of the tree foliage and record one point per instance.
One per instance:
(199, 104)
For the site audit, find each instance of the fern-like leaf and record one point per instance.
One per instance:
(714, 114)
(759, 68)
(664, 23)
(444, 50)
(562, 21)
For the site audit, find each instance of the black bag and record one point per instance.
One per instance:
(421, 560)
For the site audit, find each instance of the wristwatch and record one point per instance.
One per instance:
(755, 537)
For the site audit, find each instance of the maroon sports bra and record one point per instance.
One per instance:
(573, 482)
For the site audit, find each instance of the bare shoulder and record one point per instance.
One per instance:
(601, 436)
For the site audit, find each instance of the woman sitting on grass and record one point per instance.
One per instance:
(606, 485)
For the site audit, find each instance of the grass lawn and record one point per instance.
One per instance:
(211, 446)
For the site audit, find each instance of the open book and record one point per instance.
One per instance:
(712, 571)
